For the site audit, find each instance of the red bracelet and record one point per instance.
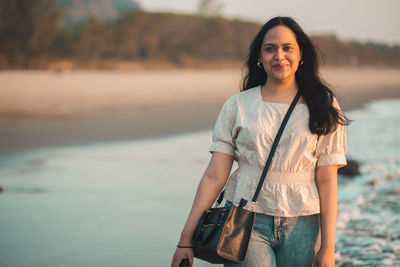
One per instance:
(179, 246)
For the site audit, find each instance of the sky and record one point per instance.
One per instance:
(360, 20)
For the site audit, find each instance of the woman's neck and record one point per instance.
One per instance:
(279, 89)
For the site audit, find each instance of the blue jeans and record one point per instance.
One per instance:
(282, 241)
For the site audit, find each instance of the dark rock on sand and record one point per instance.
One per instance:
(351, 169)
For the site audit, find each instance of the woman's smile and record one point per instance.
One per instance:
(279, 66)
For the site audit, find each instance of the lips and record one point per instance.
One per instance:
(279, 66)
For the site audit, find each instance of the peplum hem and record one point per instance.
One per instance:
(295, 195)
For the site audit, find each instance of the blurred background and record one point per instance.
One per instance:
(107, 109)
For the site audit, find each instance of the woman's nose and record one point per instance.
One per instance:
(279, 55)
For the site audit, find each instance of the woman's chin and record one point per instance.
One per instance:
(282, 76)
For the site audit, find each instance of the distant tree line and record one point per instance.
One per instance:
(338, 52)
(31, 37)
(27, 31)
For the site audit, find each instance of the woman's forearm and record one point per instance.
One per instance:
(206, 194)
(327, 189)
(211, 184)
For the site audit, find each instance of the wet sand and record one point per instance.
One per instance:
(43, 108)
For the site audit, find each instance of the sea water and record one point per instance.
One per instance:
(125, 203)
(368, 226)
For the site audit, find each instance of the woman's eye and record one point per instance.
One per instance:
(269, 49)
(287, 48)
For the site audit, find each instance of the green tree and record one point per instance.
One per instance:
(27, 29)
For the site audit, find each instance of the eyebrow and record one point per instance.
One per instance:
(271, 44)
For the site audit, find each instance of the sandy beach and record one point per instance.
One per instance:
(44, 108)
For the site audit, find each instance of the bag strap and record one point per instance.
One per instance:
(275, 145)
(271, 153)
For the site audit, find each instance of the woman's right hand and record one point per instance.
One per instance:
(180, 254)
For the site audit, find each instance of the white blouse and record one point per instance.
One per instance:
(246, 127)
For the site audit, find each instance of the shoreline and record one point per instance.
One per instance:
(27, 134)
(157, 115)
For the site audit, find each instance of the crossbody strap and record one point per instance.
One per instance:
(275, 145)
(271, 153)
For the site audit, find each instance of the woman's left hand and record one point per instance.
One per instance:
(324, 258)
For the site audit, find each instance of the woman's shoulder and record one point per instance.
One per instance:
(243, 97)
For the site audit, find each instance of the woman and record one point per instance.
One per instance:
(296, 209)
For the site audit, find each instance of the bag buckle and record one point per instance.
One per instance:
(242, 202)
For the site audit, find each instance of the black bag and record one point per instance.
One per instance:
(223, 233)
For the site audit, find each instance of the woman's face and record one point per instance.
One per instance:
(280, 53)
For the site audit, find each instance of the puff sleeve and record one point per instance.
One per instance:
(222, 138)
(331, 148)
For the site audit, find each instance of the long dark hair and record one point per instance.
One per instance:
(324, 117)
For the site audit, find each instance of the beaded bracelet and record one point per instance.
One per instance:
(179, 246)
